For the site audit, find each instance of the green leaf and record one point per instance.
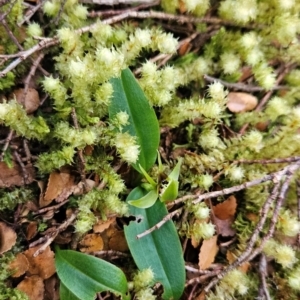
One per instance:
(129, 97)
(148, 178)
(90, 274)
(160, 250)
(66, 294)
(146, 201)
(171, 191)
(174, 175)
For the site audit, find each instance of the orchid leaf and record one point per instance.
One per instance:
(91, 275)
(142, 123)
(160, 250)
(170, 192)
(146, 201)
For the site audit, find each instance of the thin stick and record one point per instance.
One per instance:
(263, 291)
(247, 255)
(25, 54)
(236, 188)
(46, 209)
(54, 234)
(242, 86)
(167, 218)
(7, 141)
(80, 151)
(268, 161)
(298, 200)
(31, 74)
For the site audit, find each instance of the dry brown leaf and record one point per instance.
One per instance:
(14, 176)
(88, 150)
(184, 48)
(118, 242)
(208, 252)
(42, 265)
(252, 217)
(101, 225)
(58, 183)
(201, 296)
(31, 102)
(31, 230)
(262, 126)
(51, 288)
(91, 243)
(33, 287)
(195, 242)
(8, 237)
(241, 102)
(224, 226)
(19, 265)
(226, 209)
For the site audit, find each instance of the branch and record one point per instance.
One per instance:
(241, 86)
(167, 218)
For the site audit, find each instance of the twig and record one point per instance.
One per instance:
(24, 171)
(298, 201)
(54, 234)
(30, 12)
(197, 271)
(47, 42)
(203, 278)
(112, 12)
(7, 141)
(31, 74)
(289, 174)
(263, 291)
(242, 86)
(268, 161)
(116, 2)
(80, 151)
(27, 152)
(2, 17)
(237, 188)
(167, 218)
(49, 208)
(248, 254)
(110, 253)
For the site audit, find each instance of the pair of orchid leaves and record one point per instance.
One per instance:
(165, 191)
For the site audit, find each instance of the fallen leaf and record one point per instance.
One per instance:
(184, 48)
(8, 237)
(241, 102)
(101, 225)
(33, 287)
(201, 296)
(224, 226)
(58, 183)
(252, 217)
(30, 102)
(14, 176)
(31, 230)
(42, 265)
(19, 265)
(51, 288)
(91, 243)
(208, 252)
(223, 216)
(226, 209)
(118, 241)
